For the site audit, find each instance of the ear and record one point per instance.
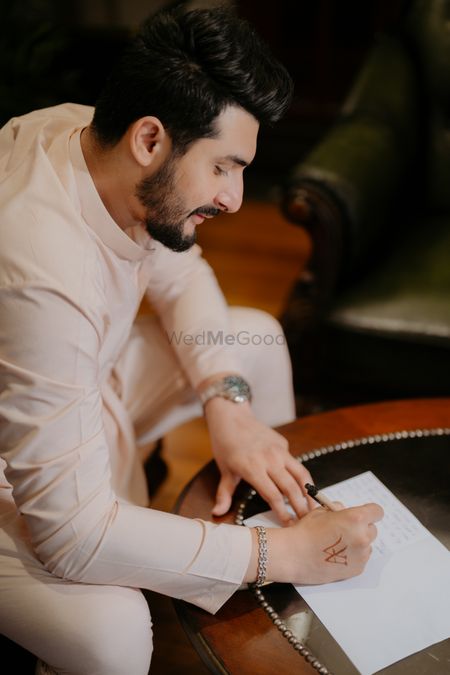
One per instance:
(147, 139)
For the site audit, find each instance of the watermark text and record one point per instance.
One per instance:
(220, 337)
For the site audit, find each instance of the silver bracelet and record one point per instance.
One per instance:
(262, 555)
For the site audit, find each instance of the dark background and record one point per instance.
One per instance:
(54, 51)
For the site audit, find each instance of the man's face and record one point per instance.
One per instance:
(206, 180)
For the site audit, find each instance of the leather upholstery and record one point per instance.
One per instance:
(373, 312)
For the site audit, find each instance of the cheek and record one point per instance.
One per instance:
(196, 187)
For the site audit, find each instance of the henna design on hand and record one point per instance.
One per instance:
(335, 555)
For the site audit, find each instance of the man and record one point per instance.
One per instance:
(95, 212)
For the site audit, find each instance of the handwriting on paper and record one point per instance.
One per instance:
(398, 528)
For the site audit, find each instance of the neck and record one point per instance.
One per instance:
(106, 168)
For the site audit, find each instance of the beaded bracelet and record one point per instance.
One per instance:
(262, 555)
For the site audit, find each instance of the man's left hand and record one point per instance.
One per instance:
(245, 448)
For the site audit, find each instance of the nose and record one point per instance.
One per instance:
(229, 198)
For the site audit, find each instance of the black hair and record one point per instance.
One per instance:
(185, 68)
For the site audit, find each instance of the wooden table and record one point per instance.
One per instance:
(240, 639)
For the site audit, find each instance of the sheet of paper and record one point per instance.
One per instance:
(400, 604)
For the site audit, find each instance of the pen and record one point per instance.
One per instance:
(319, 497)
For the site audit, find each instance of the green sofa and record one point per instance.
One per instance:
(370, 318)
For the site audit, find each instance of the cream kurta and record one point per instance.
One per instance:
(71, 282)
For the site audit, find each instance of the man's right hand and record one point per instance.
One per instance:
(323, 546)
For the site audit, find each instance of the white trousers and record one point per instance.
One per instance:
(88, 629)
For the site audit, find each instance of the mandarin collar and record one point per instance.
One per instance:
(96, 214)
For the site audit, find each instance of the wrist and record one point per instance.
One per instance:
(223, 406)
(277, 566)
(280, 554)
(229, 386)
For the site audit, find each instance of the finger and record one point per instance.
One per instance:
(275, 499)
(224, 494)
(373, 512)
(338, 506)
(302, 476)
(366, 513)
(373, 532)
(289, 487)
(366, 556)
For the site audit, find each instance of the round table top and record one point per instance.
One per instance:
(241, 639)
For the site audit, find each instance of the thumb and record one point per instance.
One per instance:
(224, 494)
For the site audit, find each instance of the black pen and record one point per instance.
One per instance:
(319, 497)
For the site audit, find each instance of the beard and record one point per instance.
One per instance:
(166, 211)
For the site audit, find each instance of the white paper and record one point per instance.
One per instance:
(401, 602)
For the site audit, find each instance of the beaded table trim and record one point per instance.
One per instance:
(325, 450)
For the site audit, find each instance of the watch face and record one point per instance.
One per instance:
(237, 389)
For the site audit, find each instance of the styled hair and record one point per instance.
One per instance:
(185, 68)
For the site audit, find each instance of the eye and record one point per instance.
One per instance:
(219, 171)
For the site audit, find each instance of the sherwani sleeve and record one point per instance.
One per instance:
(53, 440)
(190, 304)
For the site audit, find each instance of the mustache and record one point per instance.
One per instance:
(205, 211)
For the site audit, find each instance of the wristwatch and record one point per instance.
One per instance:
(232, 387)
